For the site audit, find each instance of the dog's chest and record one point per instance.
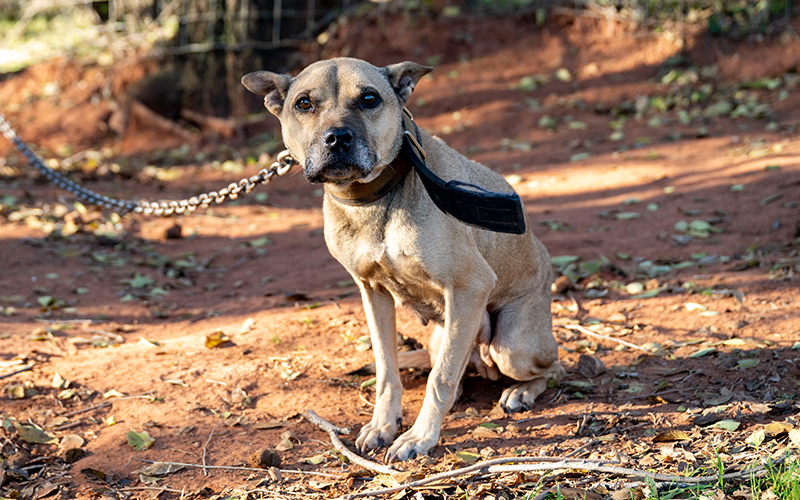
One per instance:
(399, 267)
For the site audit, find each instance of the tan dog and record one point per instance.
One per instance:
(488, 293)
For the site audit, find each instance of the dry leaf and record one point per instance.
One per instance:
(590, 366)
(285, 445)
(670, 436)
(774, 429)
(71, 441)
(483, 432)
(216, 339)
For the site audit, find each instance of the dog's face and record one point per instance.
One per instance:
(340, 118)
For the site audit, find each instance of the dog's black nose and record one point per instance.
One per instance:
(338, 138)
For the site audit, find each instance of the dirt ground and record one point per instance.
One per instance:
(675, 229)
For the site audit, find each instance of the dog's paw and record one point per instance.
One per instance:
(411, 444)
(521, 396)
(375, 435)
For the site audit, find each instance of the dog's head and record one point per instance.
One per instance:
(340, 118)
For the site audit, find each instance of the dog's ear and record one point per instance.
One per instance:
(271, 85)
(404, 77)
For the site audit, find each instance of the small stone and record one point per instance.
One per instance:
(175, 232)
(264, 459)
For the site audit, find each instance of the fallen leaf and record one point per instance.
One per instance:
(139, 440)
(34, 434)
(216, 339)
(468, 457)
(483, 432)
(774, 429)
(285, 445)
(71, 441)
(315, 460)
(160, 469)
(744, 364)
(794, 437)
(755, 439)
(671, 436)
(271, 424)
(703, 352)
(728, 425)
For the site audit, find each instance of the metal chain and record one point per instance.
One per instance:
(282, 166)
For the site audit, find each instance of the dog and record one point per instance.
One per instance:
(487, 292)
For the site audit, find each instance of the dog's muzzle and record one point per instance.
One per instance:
(339, 157)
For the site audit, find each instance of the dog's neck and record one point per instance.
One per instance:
(361, 193)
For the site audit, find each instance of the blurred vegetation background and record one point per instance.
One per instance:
(201, 41)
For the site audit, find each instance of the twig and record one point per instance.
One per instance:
(530, 464)
(332, 431)
(151, 488)
(205, 446)
(70, 425)
(19, 370)
(590, 333)
(231, 467)
(78, 412)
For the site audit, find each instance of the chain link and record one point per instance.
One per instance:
(281, 166)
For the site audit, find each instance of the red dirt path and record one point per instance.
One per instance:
(307, 319)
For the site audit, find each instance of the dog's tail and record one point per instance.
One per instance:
(419, 359)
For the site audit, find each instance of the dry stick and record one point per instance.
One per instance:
(151, 488)
(231, 467)
(555, 463)
(20, 370)
(205, 446)
(332, 431)
(590, 333)
(78, 412)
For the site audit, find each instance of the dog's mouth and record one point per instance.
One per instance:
(342, 168)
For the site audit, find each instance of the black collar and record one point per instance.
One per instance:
(471, 204)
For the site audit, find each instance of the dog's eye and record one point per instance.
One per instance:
(303, 104)
(370, 100)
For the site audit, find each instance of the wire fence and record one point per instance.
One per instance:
(233, 25)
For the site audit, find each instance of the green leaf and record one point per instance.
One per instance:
(315, 460)
(45, 300)
(369, 382)
(627, 215)
(728, 425)
(489, 425)
(579, 157)
(703, 352)
(140, 281)
(648, 294)
(260, 242)
(139, 440)
(561, 261)
(747, 363)
(34, 434)
(468, 457)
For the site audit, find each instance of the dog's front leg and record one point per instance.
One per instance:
(388, 413)
(464, 310)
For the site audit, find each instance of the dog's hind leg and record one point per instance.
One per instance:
(388, 413)
(523, 348)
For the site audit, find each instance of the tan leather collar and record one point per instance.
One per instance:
(361, 193)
